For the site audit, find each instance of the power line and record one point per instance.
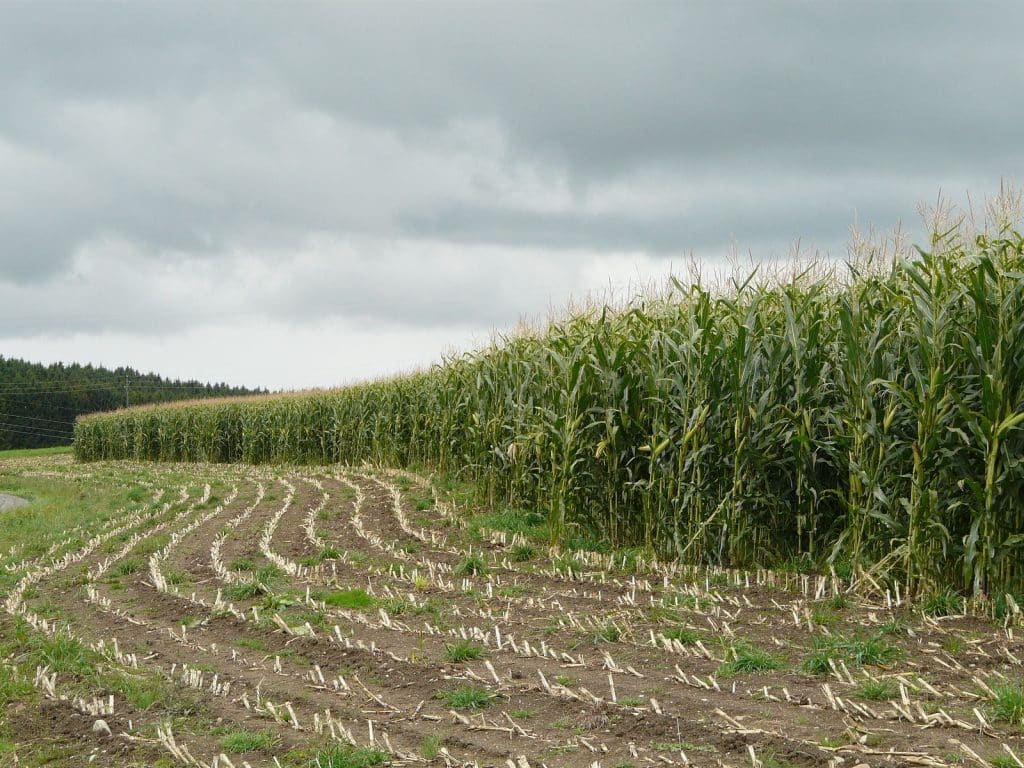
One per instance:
(36, 418)
(110, 384)
(114, 381)
(57, 389)
(70, 410)
(115, 387)
(34, 428)
(96, 377)
(37, 434)
(58, 384)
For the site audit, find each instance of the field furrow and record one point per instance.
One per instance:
(281, 615)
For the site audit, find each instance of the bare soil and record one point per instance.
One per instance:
(336, 599)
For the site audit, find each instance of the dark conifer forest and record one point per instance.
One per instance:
(39, 403)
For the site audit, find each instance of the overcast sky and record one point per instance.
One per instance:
(307, 194)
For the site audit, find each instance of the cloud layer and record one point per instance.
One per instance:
(446, 167)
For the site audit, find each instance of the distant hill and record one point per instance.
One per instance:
(39, 403)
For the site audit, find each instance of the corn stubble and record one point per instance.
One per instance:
(868, 415)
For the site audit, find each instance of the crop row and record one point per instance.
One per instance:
(871, 419)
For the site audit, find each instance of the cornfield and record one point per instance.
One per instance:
(869, 416)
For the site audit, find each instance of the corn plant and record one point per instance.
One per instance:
(870, 414)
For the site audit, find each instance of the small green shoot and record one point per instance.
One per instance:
(466, 697)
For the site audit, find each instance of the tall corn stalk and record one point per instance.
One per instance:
(993, 410)
(876, 420)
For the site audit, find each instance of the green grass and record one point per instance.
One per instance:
(13, 687)
(1008, 705)
(471, 565)
(143, 691)
(839, 602)
(824, 616)
(802, 563)
(896, 625)
(466, 697)
(399, 606)
(238, 742)
(1002, 605)
(684, 636)
(772, 760)
(430, 747)
(681, 746)
(153, 544)
(530, 525)
(268, 574)
(85, 670)
(876, 690)
(252, 643)
(244, 590)
(942, 602)
(345, 756)
(358, 558)
(64, 654)
(745, 659)
(328, 553)
(673, 602)
(874, 650)
(176, 577)
(464, 650)
(55, 506)
(609, 633)
(566, 563)
(127, 567)
(21, 453)
(954, 645)
(522, 553)
(349, 599)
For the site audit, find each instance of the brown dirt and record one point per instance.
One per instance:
(553, 704)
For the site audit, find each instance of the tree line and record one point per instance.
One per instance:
(39, 403)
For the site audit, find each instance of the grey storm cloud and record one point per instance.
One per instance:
(182, 135)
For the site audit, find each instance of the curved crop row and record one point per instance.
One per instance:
(296, 618)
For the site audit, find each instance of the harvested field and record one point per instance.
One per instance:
(227, 615)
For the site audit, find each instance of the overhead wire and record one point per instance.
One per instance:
(89, 387)
(40, 427)
(35, 428)
(31, 433)
(34, 418)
